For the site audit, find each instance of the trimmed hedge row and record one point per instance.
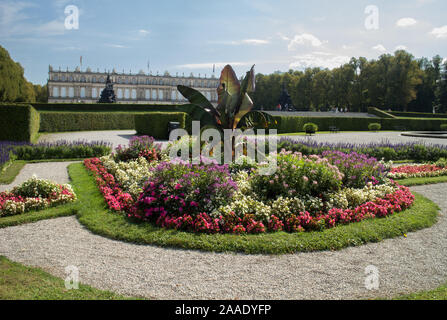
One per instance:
(418, 114)
(85, 121)
(292, 124)
(155, 124)
(76, 117)
(380, 113)
(18, 123)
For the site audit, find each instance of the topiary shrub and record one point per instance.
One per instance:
(374, 126)
(444, 127)
(310, 128)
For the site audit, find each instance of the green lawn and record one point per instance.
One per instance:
(94, 215)
(439, 293)
(8, 175)
(18, 282)
(421, 181)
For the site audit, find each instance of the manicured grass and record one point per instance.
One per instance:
(439, 293)
(8, 175)
(94, 215)
(422, 181)
(33, 216)
(18, 282)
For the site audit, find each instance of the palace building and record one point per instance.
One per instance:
(85, 86)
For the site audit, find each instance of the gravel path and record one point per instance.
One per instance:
(418, 262)
(54, 171)
(367, 137)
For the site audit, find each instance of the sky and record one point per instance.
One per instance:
(191, 36)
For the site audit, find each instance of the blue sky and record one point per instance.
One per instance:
(192, 35)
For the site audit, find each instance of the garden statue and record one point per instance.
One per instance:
(108, 95)
(285, 102)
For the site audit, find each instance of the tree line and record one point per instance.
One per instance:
(397, 82)
(13, 85)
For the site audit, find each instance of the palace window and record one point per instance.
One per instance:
(55, 77)
(120, 93)
(160, 94)
(134, 94)
(63, 92)
(154, 94)
(71, 92)
(63, 78)
(82, 92)
(70, 78)
(147, 94)
(55, 92)
(94, 93)
(94, 79)
(126, 94)
(82, 79)
(173, 95)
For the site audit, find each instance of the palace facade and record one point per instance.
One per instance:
(86, 86)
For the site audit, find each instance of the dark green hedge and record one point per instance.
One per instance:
(418, 114)
(155, 124)
(18, 123)
(96, 116)
(291, 124)
(85, 121)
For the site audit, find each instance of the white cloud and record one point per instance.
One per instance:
(240, 42)
(304, 39)
(113, 45)
(318, 59)
(401, 47)
(283, 37)
(380, 48)
(51, 28)
(255, 41)
(439, 32)
(406, 22)
(143, 32)
(13, 12)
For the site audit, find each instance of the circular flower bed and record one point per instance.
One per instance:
(34, 194)
(306, 193)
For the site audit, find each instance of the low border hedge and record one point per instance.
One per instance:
(292, 124)
(417, 114)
